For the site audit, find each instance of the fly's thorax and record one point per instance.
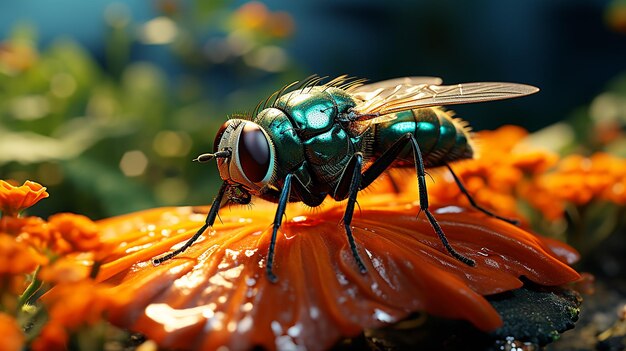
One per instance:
(308, 139)
(314, 110)
(252, 152)
(328, 145)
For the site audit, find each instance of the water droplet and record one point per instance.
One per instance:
(299, 219)
(276, 328)
(383, 316)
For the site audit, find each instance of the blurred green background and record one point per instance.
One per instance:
(106, 102)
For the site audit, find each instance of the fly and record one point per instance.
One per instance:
(335, 139)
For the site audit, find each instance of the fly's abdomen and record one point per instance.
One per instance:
(441, 137)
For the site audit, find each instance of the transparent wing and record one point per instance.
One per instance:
(383, 101)
(369, 91)
(393, 83)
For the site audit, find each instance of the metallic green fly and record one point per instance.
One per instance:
(334, 139)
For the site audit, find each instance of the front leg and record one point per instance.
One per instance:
(208, 222)
(349, 185)
(280, 212)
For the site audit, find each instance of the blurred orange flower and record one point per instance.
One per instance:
(67, 269)
(216, 293)
(77, 303)
(31, 230)
(18, 258)
(16, 57)
(72, 232)
(507, 173)
(53, 337)
(578, 180)
(494, 176)
(13, 199)
(12, 337)
(71, 305)
(254, 16)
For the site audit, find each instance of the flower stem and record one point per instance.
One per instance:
(32, 288)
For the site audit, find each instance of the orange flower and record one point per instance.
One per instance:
(255, 17)
(507, 171)
(252, 16)
(16, 57)
(579, 180)
(31, 230)
(53, 337)
(495, 177)
(75, 304)
(17, 258)
(66, 269)
(13, 199)
(12, 337)
(72, 232)
(216, 293)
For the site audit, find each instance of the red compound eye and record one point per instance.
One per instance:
(254, 152)
(218, 136)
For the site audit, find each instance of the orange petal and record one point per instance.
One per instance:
(13, 199)
(216, 293)
(12, 335)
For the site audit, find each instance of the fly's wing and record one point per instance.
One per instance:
(368, 92)
(362, 90)
(388, 100)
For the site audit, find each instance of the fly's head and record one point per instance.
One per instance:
(247, 158)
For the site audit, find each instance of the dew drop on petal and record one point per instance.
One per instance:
(295, 330)
(314, 312)
(276, 328)
(245, 324)
(383, 316)
(449, 209)
(247, 307)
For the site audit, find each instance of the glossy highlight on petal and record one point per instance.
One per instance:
(216, 293)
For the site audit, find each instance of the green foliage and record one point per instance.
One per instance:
(113, 135)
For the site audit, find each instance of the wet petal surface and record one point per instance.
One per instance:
(216, 292)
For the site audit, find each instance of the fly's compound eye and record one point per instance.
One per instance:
(254, 153)
(218, 136)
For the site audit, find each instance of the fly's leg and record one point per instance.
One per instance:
(473, 203)
(210, 219)
(348, 186)
(280, 212)
(386, 159)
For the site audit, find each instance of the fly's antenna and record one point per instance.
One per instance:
(208, 157)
